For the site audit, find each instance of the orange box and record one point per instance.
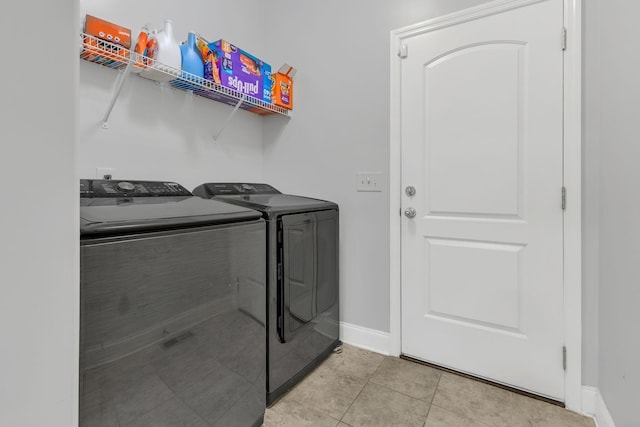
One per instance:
(282, 93)
(107, 31)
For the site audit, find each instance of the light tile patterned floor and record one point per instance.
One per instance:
(360, 388)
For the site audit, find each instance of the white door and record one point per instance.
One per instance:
(482, 135)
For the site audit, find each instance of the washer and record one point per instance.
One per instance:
(302, 277)
(166, 328)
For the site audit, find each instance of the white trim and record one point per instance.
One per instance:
(572, 180)
(465, 15)
(602, 415)
(593, 405)
(589, 400)
(395, 196)
(368, 339)
(573, 212)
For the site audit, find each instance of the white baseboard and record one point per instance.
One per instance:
(589, 400)
(368, 339)
(593, 405)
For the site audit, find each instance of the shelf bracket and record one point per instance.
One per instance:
(116, 92)
(229, 117)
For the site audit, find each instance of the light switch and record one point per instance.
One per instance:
(369, 181)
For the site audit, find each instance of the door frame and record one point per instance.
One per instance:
(572, 177)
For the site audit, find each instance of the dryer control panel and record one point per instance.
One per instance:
(113, 188)
(235, 188)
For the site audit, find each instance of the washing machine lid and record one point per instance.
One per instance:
(121, 207)
(261, 197)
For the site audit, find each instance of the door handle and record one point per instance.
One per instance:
(410, 212)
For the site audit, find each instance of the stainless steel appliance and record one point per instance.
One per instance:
(172, 308)
(302, 277)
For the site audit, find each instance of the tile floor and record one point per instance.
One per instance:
(360, 388)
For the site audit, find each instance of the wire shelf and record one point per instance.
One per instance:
(103, 52)
(118, 57)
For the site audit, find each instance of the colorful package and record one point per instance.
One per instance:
(282, 93)
(209, 59)
(242, 71)
(109, 43)
(107, 31)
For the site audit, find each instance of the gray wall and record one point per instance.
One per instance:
(619, 201)
(38, 215)
(591, 190)
(341, 126)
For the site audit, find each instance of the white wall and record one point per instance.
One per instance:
(619, 200)
(407, 12)
(591, 189)
(38, 219)
(161, 133)
(341, 126)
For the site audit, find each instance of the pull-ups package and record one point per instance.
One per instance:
(242, 71)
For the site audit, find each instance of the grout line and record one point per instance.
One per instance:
(367, 382)
(375, 371)
(400, 392)
(353, 401)
(435, 390)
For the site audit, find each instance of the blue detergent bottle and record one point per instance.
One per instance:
(191, 59)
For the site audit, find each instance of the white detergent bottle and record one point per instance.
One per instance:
(168, 47)
(168, 55)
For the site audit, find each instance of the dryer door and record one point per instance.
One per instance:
(308, 268)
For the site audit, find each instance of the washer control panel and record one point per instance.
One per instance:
(113, 188)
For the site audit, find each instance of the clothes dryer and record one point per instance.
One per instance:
(302, 277)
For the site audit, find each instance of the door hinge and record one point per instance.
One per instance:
(564, 198)
(564, 357)
(403, 52)
(564, 38)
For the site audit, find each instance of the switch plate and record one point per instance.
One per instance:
(369, 181)
(104, 173)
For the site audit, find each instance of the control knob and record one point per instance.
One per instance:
(126, 186)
